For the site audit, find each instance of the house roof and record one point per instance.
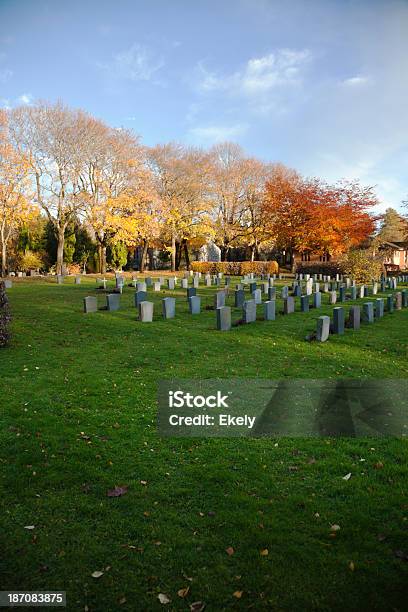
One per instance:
(397, 245)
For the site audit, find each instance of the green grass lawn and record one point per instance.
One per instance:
(78, 398)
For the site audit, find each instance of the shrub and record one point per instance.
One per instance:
(235, 268)
(5, 316)
(328, 268)
(74, 268)
(30, 261)
(362, 266)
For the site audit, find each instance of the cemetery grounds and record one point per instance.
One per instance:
(262, 524)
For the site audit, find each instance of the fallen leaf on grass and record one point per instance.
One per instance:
(197, 606)
(97, 574)
(230, 551)
(352, 567)
(379, 465)
(29, 527)
(162, 597)
(183, 592)
(335, 527)
(237, 594)
(264, 552)
(347, 476)
(117, 491)
(143, 482)
(401, 554)
(122, 600)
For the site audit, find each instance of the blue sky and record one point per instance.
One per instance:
(321, 86)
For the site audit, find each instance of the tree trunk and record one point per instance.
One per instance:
(60, 250)
(173, 253)
(186, 254)
(3, 258)
(178, 255)
(144, 254)
(252, 248)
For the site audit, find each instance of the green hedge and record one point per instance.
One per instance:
(235, 268)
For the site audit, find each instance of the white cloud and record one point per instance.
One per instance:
(25, 98)
(217, 133)
(5, 75)
(135, 64)
(355, 81)
(259, 75)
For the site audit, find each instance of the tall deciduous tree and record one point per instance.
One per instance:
(14, 208)
(50, 137)
(180, 176)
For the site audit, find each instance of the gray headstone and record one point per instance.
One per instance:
(141, 286)
(196, 282)
(379, 308)
(223, 318)
(270, 310)
(304, 303)
(190, 292)
(77, 280)
(140, 296)
(398, 300)
(289, 305)
(368, 312)
(342, 294)
(297, 291)
(353, 292)
(169, 307)
(219, 299)
(284, 293)
(390, 303)
(361, 291)
(354, 317)
(8, 284)
(208, 280)
(257, 296)
(375, 288)
(146, 312)
(317, 300)
(194, 303)
(90, 304)
(404, 294)
(156, 286)
(171, 284)
(184, 283)
(148, 281)
(323, 328)
(338, 320)
(249, 311)
(239, 297)
(272, 293)
(60, 279)
(332, 297)
(113, 301)
(252, 287)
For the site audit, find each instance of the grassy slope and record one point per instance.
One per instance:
(68, 373)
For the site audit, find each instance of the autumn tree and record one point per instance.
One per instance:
(310, 215)
(180, 176)
(50, 137)
(14, 207)
(112, 168)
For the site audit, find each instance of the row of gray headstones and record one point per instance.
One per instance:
(371, 312)
(144, 306)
